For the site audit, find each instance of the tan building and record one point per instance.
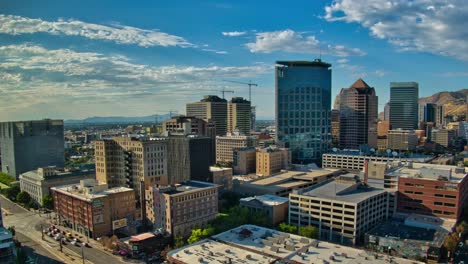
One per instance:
(239, 116)
(222, 177)
(189, 125)
(179, 208)
(93, 209)
(211, 108)
(342, 209)
(274, 207)
(126, 162)
(335, 127)
(382, 143)
(402, 140)
(38, 182)
(443, 137)
(382, 128)
(244, 160)
(225, 145)
(272, 160)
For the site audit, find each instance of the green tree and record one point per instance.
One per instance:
(21, 256)
(178, 242)
(12, 230)
(23, 198)
(308, 231)
(199, 234)
(48, 202)
(287, 228)
(6, 179)
(11, 192)
(32, 204)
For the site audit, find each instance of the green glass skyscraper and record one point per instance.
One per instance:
(404, 105)
(303, 106)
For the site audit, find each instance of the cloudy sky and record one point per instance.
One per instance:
(75, 59)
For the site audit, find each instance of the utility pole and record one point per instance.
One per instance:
(82, 253)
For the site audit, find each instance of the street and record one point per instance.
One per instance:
(28, 224)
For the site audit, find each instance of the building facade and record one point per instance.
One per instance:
(188, 125)
(342, 209)
(91, 209)
(274, 207)
(303, 106)
(358, 116)
(37, 183)
(222, 177)
(443, 137)
(244, 160)
(271, 160)
(225, 146)
(335, 127)
(402, 140)
(239, 116)
(179, 208)
(404, 105)
(27, 145)
(211, 109)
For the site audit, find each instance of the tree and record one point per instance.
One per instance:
(178, 242)
(283, 227)
(32, 204)
(48, 202)
(12, 230)
(199, 234)
(11, 192)
(23, 198)
(451, 242)
(308, 231)
(21, 256)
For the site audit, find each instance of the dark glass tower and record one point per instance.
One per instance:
(303, 106)
(404, 105)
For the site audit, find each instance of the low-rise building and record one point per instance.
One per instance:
(222, 177)
(188, 125)
(428, 189)
(443, 137)
(283, 183)
(93, 209)
(38, 182)
(354, 160)
(271, 160)
(274, 207)
(342, 209)
(179, 208)
(259, 245)
(244, 160)
(225, 145)
(403, 140)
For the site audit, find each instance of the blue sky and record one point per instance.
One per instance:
(75, 59)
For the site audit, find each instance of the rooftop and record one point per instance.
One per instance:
(76, 191)
(141, 237)
(267, 199)
(426, 171)
(314, 63)
(335, 190)
(412, 156)
(254, 244)
(190, 186)
(58, 174)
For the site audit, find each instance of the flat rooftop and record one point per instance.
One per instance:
(282, 177)
(267, 199)
(428, 172)
(314, 63)
(412, 156)
(254, 244)
(75, 191)
(191, 186)
(345, 192)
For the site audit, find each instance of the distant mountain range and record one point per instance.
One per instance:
(454, 102)
(120, 119)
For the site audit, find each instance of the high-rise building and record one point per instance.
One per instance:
(126, 162)
(253, 118)
(27, 145)
(226, 145)
(358, 116)
(188, 125)
(387, 111)
(428, 112)
(335, 127)
(211, 108)
(382, 128)
(244, 160)
(189, 158)
(271, 160)
(404, 105)
(440, 116)
(239, 115)
(303, 106)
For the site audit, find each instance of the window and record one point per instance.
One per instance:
(438, 195)
(438, 203)
(450, 196)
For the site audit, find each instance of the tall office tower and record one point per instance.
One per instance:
(428, 112)
(440, 116)
(226, 145)
(404, 105)
(27, 145)
(126, 162)
(189, 158)
(239, 115)
(211, 108)
(387, 111)
(253, 118)
(358, 116)
(303, 106)
(335, 127)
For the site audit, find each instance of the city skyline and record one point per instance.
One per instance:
(69, 60)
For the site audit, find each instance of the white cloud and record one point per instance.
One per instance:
(296, 42)
(16, 25)
(234, 33)
(434, 26)
(380, 73)
(33, 77)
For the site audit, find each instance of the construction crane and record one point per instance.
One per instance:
(223, 91)
(250, 84)
(171, 112)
